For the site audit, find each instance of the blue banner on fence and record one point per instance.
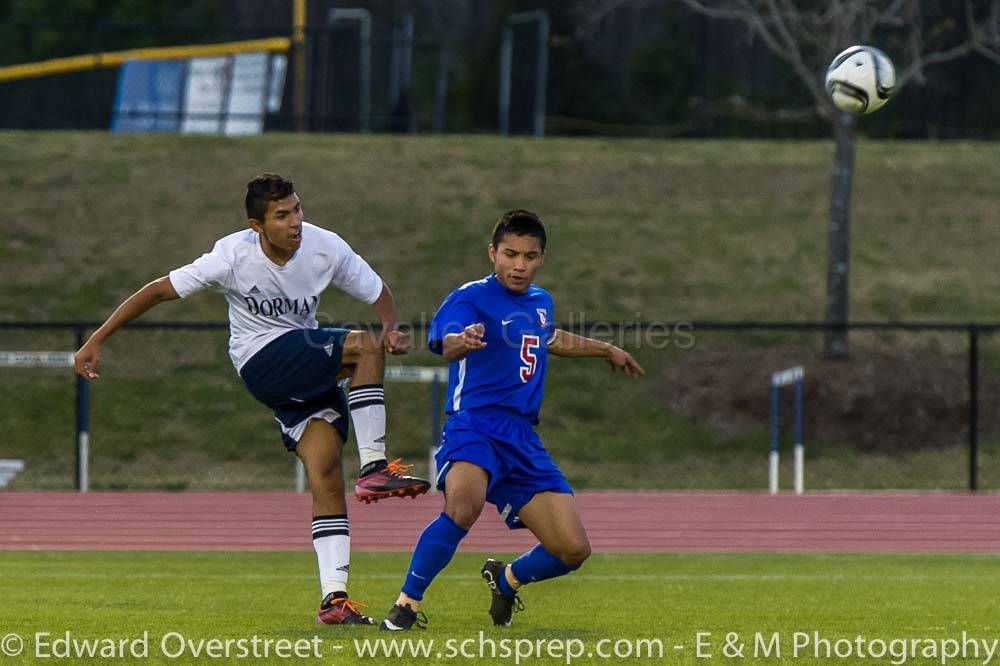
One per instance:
(149, 96)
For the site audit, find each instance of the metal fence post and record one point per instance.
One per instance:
(973, 407)
(772, 460)
(82, 426)
(364, 19)
(504, 96)
(300, 476)
(441, 91)
(401, 64)
(299, 93)
(435, 432)
(541, 70)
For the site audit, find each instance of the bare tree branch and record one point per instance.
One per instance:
(892, 15)
(987, 53)
(712, 12)
(915, 69)
(985, 40)
(994, 23)
(758, 22)
(738, 107)
(590, 13)
(806, 39)
(778, 38)
(807, 74)
(798, 23)
(867, 22)
(807, 35)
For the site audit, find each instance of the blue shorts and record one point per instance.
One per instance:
(296, 376)
(506, 446)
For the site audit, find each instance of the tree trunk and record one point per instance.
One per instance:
(839, 261)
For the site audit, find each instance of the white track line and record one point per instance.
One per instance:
(719, 578)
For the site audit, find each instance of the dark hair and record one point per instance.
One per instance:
(266, 187)
(519, 222)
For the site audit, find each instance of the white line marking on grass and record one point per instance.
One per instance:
(720, 578)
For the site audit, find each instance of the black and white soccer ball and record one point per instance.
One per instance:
(861, 79)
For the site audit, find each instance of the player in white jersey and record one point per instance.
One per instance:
(272, 275)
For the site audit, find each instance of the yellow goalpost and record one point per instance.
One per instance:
(113, 59)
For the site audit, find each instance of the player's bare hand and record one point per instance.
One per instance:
(86, 360)
(396, 343)
(472, 337)
(622, 360)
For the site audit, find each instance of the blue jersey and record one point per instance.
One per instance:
(510, 371)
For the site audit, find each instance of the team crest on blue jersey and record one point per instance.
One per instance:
(543, 317)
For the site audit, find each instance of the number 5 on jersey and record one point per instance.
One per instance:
(529, 345)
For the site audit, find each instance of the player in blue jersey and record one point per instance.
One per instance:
(497, 334)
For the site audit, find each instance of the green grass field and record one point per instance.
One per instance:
(677, 230)
(666, 598)
(650, 230)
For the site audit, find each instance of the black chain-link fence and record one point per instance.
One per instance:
(390, 81)
(895, 414)
(169, 411)
(658, 69)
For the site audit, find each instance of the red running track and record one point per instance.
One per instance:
(615, 521)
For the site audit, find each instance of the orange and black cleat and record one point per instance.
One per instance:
(381, 479)
(338, 609)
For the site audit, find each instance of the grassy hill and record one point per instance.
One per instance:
(657, 230)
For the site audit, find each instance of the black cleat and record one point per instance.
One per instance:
(502, 607)
(403, 618)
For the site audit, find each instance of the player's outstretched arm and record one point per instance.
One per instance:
(89, 355)
(394, 340)
(457, 346)
(569, 345)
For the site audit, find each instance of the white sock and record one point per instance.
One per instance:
(367, 405)
(332, 542)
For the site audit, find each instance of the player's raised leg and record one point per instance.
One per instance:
(321, 449)
(377, 477)
(465, 495)
(563, 547)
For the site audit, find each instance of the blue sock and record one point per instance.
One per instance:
(433, 552)
(538, 564)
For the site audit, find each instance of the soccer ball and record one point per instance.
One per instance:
(860, 79)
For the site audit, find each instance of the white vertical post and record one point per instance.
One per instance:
(300, 476)
(799, 439)
(432, 470)
(440, 375)
(791, 376)
(83, 455)
(82, 424)
(773, 473)
(63, 359)
(799, 467)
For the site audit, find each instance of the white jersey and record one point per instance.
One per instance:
(267, 300)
